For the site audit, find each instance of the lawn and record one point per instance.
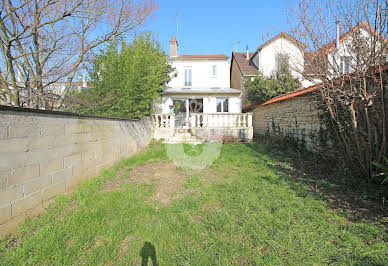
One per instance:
(243, 209)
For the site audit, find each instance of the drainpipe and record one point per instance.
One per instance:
(337, 43)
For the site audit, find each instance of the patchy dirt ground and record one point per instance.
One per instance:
(168, 180)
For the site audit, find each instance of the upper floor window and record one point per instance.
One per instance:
(345, 64)
(214, 71)
(188, 82)
(222, 105)
(281, 60)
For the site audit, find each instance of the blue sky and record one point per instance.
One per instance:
(213, 26)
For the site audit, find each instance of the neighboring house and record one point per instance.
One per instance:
(199, 96)
(267, 60)
(338, 57)
(29, 96)
(281, 49)
(296, 113)
(242, 68)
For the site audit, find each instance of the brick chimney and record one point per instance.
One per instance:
(173, 47)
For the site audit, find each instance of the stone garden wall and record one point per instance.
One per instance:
(296, 117)
(45, 153)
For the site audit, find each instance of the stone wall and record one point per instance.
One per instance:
(44, 153)
(297, 116)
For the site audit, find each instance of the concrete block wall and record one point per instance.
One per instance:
(44, 153)
(298, 114)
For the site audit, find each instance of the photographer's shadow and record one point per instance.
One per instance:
(146, 252)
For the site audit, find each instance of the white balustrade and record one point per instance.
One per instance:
(200, 120)
(228, 120)
(164, 120)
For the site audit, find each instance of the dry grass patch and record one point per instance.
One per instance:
(166, 178)
(212, 207)
(125, 246)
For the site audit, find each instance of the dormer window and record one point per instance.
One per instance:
(188, 82)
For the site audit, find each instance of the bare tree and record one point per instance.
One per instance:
(47, 42)
(351, 67)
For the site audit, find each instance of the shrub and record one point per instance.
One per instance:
(128, 78)
(261, 88)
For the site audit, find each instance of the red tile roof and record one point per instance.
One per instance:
(246, 67)
(201, 56)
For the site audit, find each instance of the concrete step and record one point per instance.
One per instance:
(188, 139)
(183, 135)
(186, 134)
(175, 141)
(182, 130)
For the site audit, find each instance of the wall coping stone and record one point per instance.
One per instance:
(5, 108)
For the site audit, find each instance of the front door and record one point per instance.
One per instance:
(181, 120)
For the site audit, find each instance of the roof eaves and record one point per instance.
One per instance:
(281, 34)
(284, 97)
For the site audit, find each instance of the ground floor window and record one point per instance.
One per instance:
(180, 106)
(196, 105)
(222, 105)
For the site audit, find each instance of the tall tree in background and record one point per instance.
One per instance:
(46, 41)
(128, 78)
(352, 72)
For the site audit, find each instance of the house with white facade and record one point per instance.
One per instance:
(267, 60)
(198, 101)
(338, 57)
(281, 49)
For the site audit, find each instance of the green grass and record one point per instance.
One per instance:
(247, 212)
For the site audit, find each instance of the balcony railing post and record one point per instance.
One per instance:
(172, 121)
(192, 120)
(244, 120)
(249, 119)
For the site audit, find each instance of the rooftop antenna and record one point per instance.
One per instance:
(235, 44)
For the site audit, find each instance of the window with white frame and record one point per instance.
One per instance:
(345, 64)
(222, 105)
(214, 71)
(188, 77)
